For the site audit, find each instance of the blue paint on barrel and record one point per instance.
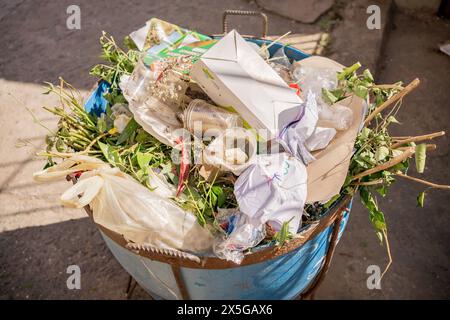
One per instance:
(283, 277)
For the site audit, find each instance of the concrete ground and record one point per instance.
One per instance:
(39, 239)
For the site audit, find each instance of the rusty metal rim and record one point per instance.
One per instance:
(258, 256)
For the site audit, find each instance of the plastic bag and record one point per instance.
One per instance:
(244, 234)
(158, 119)
(320, 138)
(336, 116)
(294, 136)
(123, 205)
(273, 190)
(136, 87)
(233, 150)
(281, 58)
(314, 79)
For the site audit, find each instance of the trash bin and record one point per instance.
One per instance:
(269, 272)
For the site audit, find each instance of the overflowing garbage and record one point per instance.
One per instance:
(214, 146)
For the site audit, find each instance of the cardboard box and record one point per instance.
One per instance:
(327, 173)
(234, 76)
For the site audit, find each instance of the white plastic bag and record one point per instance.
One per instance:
(123, 205)
(121, 115)
(273, 190)
(294, 136)
(320, 138)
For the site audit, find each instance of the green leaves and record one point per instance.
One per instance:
(421, 156)
(376, 216)
(381, 153)
(111, 154)
(220, 196)
(349, 71)
(129, 131)
(118, 62)
(284, 235)
(421, 199)
(361, 91)
(143, 159)
(392, 119)
(102, 125)
(368, 75)
(328, 96)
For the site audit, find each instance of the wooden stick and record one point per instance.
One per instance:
(430, 147)
(368, 183)
(388, 86)
(275, 58)
(388, 248)
(393, 99)
(276, 40)
(418, 138)
(405, 155)
(428, 183)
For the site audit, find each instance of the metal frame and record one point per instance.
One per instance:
(227, 13)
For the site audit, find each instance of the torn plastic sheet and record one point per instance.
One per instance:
(245, 234)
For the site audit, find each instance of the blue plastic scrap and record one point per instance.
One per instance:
(96, 104)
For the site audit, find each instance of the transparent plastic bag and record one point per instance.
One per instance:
(244, 235)
(123, 205)
(281, 58)
(136, 88)
(159, 78)
(158, 119)
(336, 116)
(314, 79)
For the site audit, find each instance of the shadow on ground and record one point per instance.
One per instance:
(34, 262)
